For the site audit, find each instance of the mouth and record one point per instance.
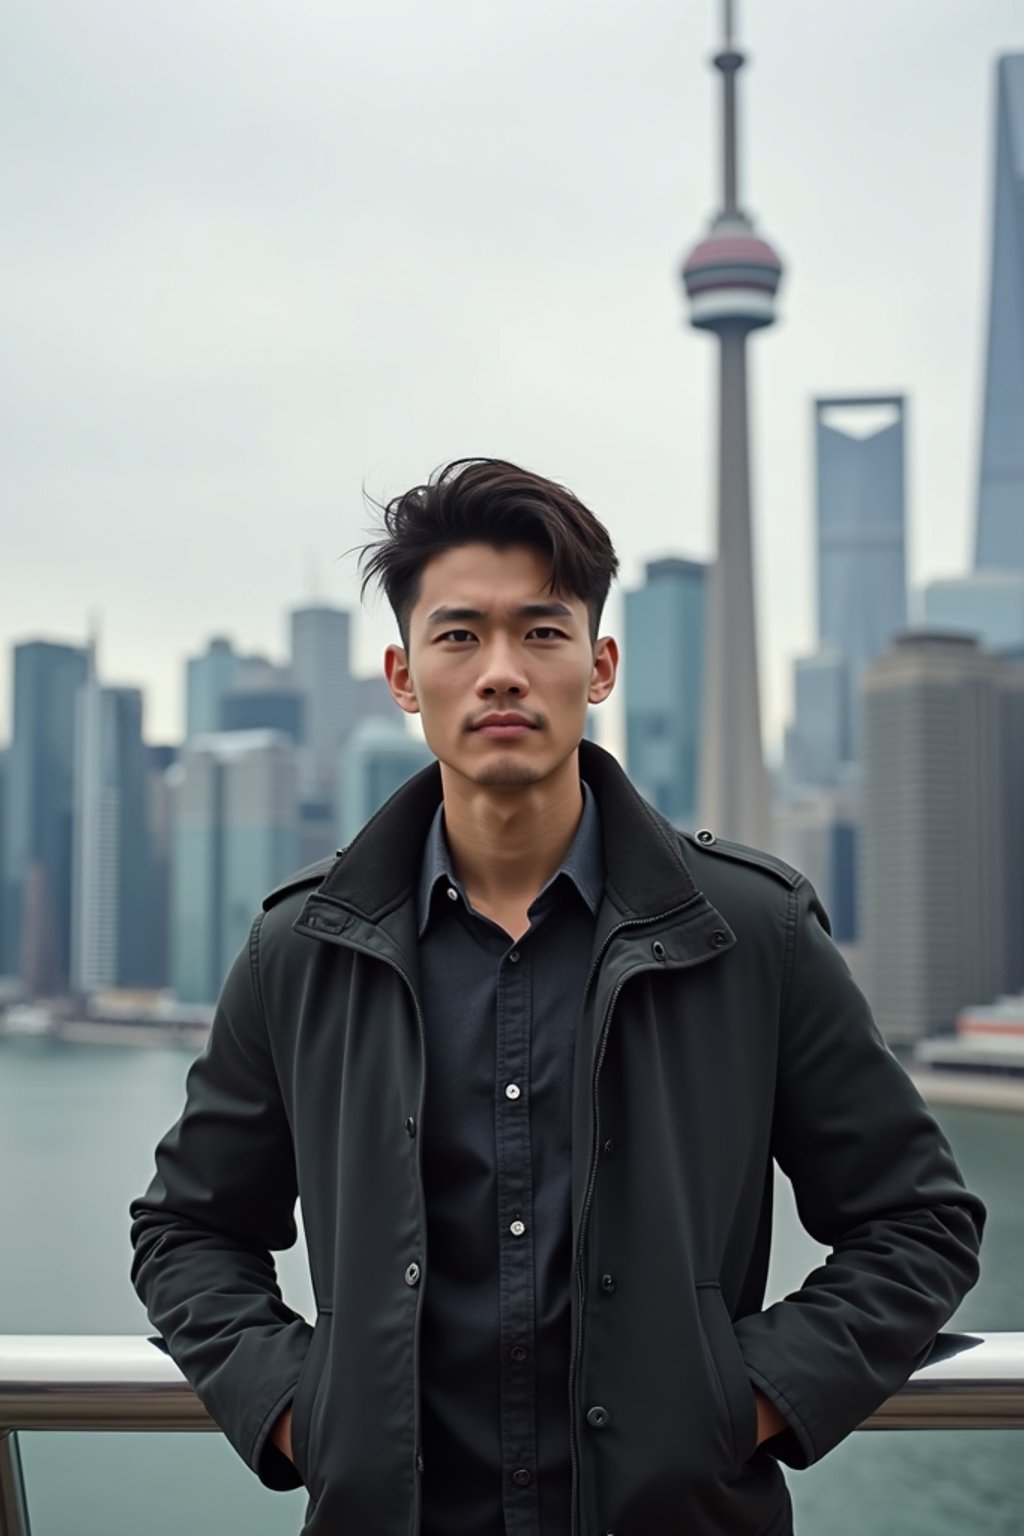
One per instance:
(504, 727)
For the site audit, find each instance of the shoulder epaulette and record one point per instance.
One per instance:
(313, 874)
(710, 843)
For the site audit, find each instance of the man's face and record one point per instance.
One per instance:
(500, 669)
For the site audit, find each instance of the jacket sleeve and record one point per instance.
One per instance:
(223, 1196)
(875, 1181)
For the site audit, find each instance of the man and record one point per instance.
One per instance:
(527, 1054)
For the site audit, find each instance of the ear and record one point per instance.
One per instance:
(606, 665)
(399, 679)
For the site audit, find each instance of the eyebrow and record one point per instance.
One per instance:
(454, 615)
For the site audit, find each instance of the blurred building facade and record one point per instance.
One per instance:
(817, 831)
(988, 604)
(264, 699)
(36, 921)
(207, 679)
(236, 835)
(663, 672)
(818, 746)
(113, 940)
(322, 672)
(379, 755)
(860, 498)
(940, 880)
(1000, 530)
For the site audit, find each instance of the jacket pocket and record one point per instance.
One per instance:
(305, 1395)
(735, 1386)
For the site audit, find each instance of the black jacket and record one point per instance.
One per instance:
(720, 1030)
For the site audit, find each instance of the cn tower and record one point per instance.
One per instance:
(731, 280)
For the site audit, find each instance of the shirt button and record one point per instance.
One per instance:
(410, 1126)
(517, 1228)
(518, 1352)
(521, 1477)
(412, 1275)
(512, 1091)
(452, 893)
(598, 1417)
(608, 1283)
(513, 956)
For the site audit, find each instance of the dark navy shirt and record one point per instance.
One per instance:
(500, 1020)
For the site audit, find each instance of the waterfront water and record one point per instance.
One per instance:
(77, 1129)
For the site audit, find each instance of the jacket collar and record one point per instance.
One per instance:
(645, 872)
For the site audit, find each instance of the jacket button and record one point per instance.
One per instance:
(598, 1417)
(410, 1126)
(658, 950)
(608, 1284)
(705, 837)
(412, 1275)
(718, 938)
(521, 1477)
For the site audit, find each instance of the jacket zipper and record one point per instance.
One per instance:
(574, 1361)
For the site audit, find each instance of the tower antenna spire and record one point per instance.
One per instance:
(728, 61)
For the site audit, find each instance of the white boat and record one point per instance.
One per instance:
(988, 1038)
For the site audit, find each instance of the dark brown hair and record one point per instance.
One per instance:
(489, 501)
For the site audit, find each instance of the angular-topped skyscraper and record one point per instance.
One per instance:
(1000, 539)
(731, 280)
(860, 474)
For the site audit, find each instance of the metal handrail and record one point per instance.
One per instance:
(52, 1381)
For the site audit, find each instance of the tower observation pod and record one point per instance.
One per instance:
(731, 279)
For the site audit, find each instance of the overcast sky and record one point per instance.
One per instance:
(256, 255)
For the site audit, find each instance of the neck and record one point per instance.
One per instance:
(507, 843)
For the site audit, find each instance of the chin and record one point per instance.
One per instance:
(507, 775)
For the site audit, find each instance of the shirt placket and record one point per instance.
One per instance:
(516, 1244)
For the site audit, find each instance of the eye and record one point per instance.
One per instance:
(457, 636)
(547, 632)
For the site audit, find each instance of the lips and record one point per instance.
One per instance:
(504, 727)
(504, 722)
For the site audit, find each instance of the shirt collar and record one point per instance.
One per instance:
(583, 864)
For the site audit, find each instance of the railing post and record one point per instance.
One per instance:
(13, 1507)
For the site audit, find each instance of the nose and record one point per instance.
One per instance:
(501, 672)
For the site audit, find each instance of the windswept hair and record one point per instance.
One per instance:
(489, 501)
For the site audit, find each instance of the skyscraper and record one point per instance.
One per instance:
(818, 742)
(663, 670)
(36, 923)
(236, 837)
(1000, 536)
(731, 279)
(207, 679)
(861, 528)
(321, 670)
(113, 905)
(379, 756)
(939, 890)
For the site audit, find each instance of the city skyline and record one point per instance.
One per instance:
(213, 348)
